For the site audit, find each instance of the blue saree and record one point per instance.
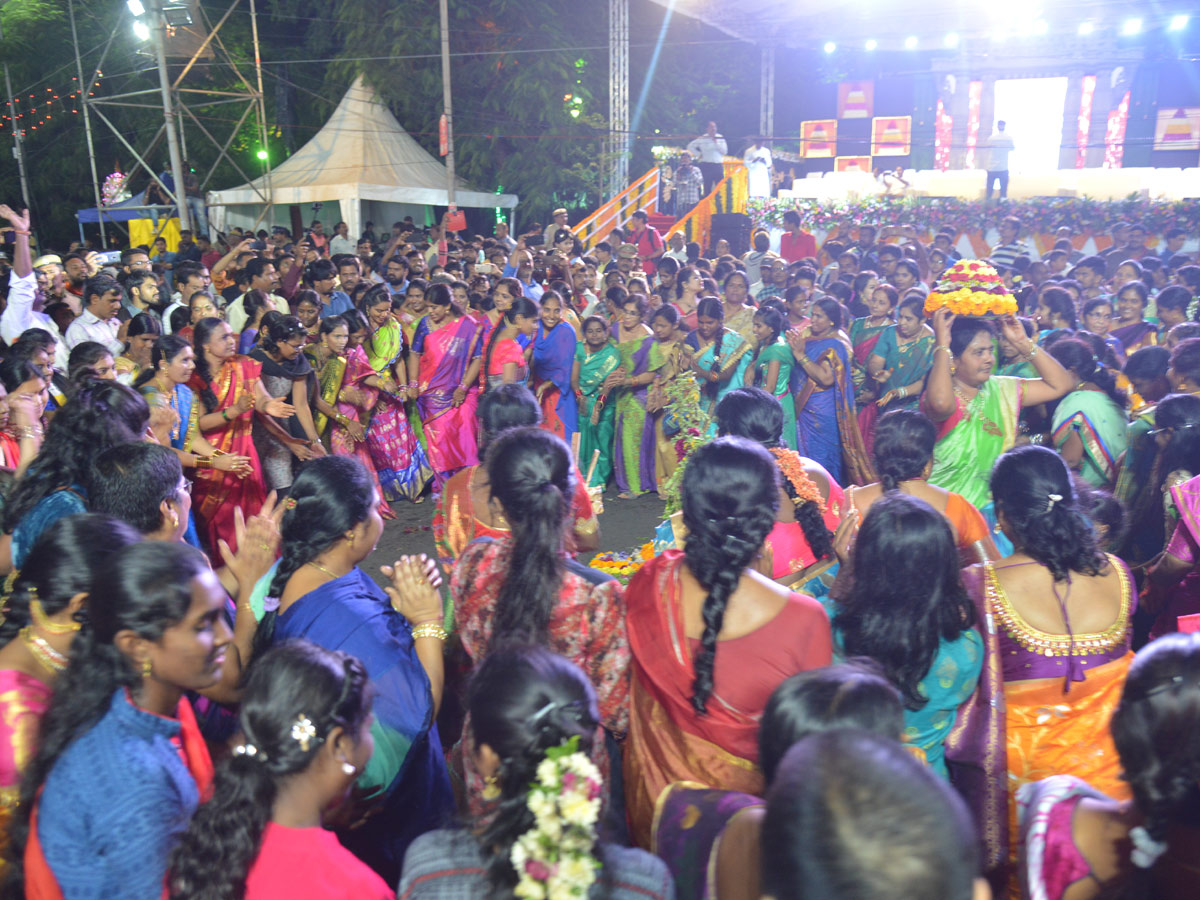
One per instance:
(183, 401)
(352, 614)
(553, 359)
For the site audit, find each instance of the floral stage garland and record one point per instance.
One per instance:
(1040, 215)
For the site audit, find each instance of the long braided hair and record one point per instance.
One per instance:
(730, 497)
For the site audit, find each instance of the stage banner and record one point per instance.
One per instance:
(852, 164)
(891, 136)
(818, 139)
(856, 99)
(1178, 129)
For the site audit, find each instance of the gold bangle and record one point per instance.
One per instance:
(942, 347)
(1033, 351)
(204, 462)
(430, 629)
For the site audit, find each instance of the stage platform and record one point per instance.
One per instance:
(968, 184)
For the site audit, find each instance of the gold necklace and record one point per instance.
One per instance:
(321, 568)
(49, 658)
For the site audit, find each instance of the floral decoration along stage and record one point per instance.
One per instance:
(971, 288)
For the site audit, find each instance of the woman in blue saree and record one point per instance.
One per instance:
(824, 392)
(330, 525)
(553, 360)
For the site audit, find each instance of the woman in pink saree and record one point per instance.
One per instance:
(444, 364)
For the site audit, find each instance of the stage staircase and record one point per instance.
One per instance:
(729, 196)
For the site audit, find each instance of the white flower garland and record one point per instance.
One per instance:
(553, 859)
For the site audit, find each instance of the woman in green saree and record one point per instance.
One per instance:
(595, 359)
(773, 366)
(1089, 427)
(976, 412)
(899, 364)
(641, 358)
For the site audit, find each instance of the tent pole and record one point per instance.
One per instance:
(446, 111)
(262, 110)
(158, 33)
(84, 92)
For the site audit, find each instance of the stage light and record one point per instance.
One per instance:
(871, 44)
(141, 31)
(910, 43)
(135, 7)
(1086, 28)
(262, 154)
(951, 40)
(1040, 27)
(1131, 27)
(1178, 23)
(830, 46)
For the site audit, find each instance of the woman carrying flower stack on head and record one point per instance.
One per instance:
(976, 411)
(595, 359)
(535, 723)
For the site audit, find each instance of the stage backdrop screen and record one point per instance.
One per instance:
(1032, 109)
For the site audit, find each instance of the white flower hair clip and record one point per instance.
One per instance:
(304, 731)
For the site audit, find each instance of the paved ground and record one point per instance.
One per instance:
(625, 524)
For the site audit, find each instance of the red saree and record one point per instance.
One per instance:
(215, 494)
(668, 740)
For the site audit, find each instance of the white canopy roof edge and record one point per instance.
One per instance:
(361, 153)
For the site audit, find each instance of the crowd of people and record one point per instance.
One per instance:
(919, 625)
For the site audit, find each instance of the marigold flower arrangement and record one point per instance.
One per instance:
(623, 566)
(695, 426)
(793, 470)
(971, 287)
(554, 858)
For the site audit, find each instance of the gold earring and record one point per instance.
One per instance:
(350, 536)
(491, 788)
(147, 668)
(174, 519)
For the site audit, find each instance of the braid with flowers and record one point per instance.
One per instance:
(537, 713)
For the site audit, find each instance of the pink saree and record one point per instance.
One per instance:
(355, 401)
(446, 354)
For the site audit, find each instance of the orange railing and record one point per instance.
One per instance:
(730, 195)
(642, 194)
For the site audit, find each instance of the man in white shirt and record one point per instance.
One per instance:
(263, 277)
(996, 151)
(709, 151)
(675, 248)
(758, 169)
(98, 323)
(341, 242)
(19, 314)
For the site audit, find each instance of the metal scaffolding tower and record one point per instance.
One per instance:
(178, 101)
(766, 94)
(618, 96)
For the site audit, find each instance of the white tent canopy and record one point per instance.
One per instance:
(361, 155)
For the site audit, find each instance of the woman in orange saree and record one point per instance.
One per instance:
(710, 637)
(230, 393)
(1054, 663)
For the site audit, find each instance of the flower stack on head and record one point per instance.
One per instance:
(554, 859)
(971, 287)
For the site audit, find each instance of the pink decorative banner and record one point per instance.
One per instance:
(1114, 136)
(1084, 127)
(943, 135)
(974, 96)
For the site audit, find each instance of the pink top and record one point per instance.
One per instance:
(506, 351)
(23, 702)
(310, 864)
